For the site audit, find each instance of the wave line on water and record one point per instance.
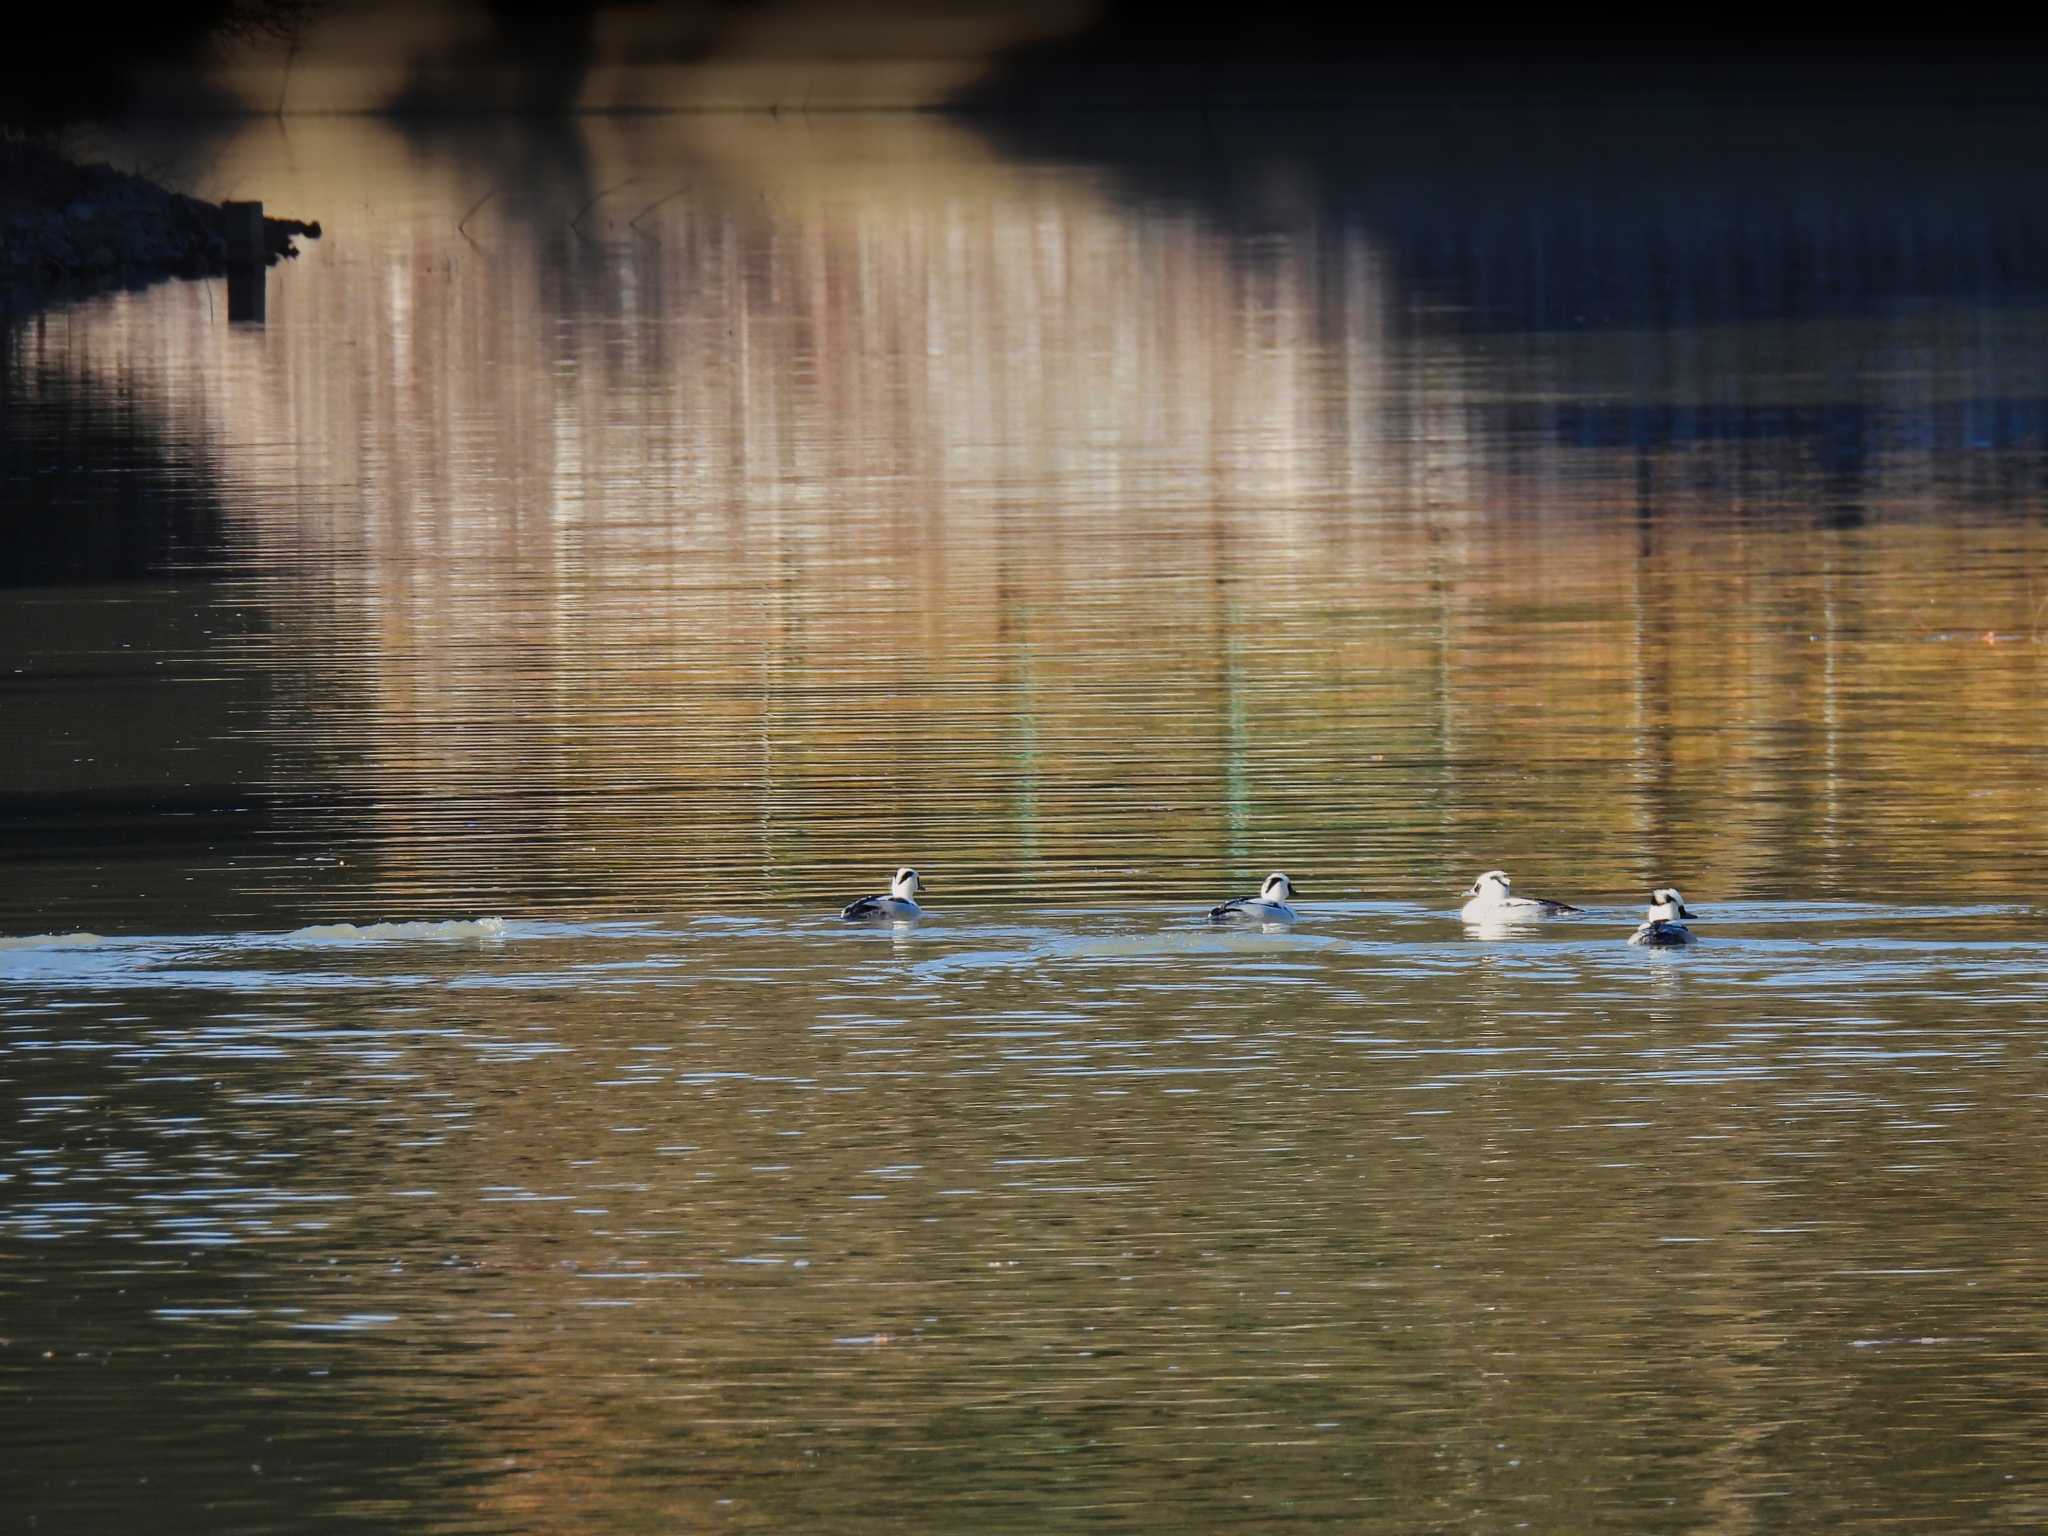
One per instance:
(484, 928)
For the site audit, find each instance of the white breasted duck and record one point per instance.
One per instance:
(900, 903)
(1492, 902)
(1662, 927)
(1269, 906)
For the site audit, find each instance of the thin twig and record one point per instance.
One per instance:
(284, 85)
(666, 197)
(600, 197)
(472, 211)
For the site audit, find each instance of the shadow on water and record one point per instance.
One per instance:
(1534, 179)
(537, 56)
(125, 725)
(93, 488)
(1583, 239)
(1601, 227)
(537, 176)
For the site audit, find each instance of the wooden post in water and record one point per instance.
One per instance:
(245, 233)
(246, 260)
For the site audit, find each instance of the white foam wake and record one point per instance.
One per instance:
(488, 929)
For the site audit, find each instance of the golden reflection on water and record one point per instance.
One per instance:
(795, 1226)
(748, 505)
(731, 509)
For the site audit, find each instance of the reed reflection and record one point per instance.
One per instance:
(765, 502)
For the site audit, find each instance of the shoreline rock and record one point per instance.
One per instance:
(69, 231)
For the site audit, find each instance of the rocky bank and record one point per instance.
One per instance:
(68, 231)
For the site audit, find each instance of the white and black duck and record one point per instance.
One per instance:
(1492, 900)
(900, 903)
(1271, 905)
(1663, 926)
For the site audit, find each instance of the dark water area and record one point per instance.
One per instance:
(442, 721)
(98, 491)
(1559, 211)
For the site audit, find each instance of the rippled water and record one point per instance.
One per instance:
(442, 721)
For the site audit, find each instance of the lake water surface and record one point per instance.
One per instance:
(442, 721)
